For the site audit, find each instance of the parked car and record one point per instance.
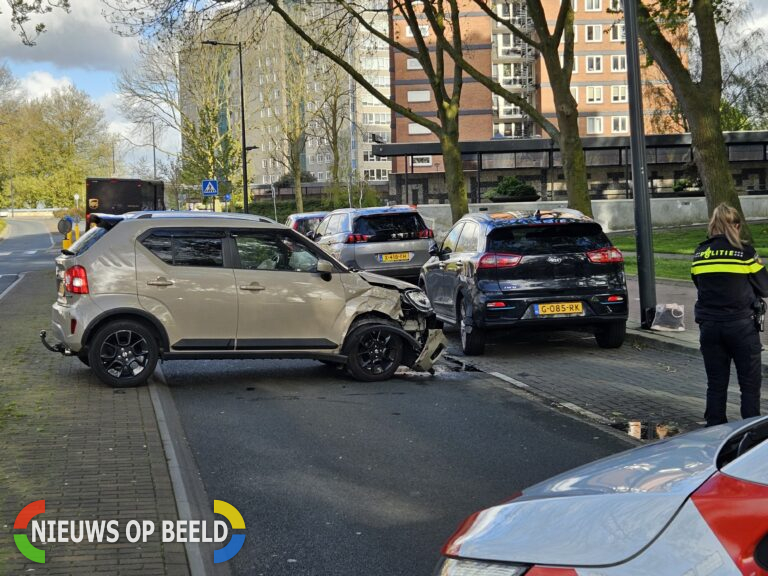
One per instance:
(174, 285)
(305, 222)
(4, 214)
(693, 504)
(554, 269)
(393, 241)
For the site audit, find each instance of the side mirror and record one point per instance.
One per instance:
(434, 250)
(310, 234)
(324, 267)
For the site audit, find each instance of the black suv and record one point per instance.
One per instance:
(554, 269)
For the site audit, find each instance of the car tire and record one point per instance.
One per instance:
(83, 357)
(374, 355)
(472, 337)
(611, 335)
(123, 353)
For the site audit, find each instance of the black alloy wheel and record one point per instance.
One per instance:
(376, 354)
(472, 337)
(123, 353)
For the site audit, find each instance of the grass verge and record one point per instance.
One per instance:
(685, 240)
(2, 226)
(665, 268)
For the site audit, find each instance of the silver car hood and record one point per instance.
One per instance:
(385, 281)
(599, 514)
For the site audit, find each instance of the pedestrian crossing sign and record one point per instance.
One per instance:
(210, 187)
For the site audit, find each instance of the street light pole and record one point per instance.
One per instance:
(242, 115)
(154, 152)
(646, 277)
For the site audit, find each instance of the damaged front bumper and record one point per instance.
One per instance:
(434, 346)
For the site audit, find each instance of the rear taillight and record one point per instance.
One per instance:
(356, 238)
(295, 225)
(426, 233)
(76, 280)
(615, 298)
(605, 256)
(496, 260)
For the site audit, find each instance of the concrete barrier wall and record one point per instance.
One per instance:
(613, 215)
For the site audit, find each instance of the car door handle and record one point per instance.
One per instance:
(252, 287)
(160, 281)
(441, 265)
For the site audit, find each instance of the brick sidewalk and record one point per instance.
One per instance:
(91, 452)
(634, 382)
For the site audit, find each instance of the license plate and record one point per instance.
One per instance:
(570, 308)
(395, 257)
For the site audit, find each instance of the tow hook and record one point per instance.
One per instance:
(58, 347)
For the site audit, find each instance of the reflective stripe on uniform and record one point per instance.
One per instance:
(726, 266)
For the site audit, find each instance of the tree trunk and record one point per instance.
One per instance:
(574, 164)
(454, 170)
(296, 171)
(711, 156)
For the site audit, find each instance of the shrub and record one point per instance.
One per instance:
(513, 188)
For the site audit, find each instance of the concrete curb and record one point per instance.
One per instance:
(192, 501)
(663, 341)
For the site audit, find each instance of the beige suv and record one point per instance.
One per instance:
(171, 285)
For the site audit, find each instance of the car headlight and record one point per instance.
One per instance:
(454, 567)
(418, 300)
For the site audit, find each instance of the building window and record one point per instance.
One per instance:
(594, 64)
(413, 64)
(414, 128)
(619, 124)
(618, 93)
(593, 32)
(618, 63)
(373, 118)
(594, 125)
(421, 161)
(423, 28)
(593, 5)
(618, 33)
(419, 96)
(378, 174)
(594, 94)
(503, 10)
(575, 93)
(615, 6)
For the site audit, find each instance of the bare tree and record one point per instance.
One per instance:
(700, 93)
(22, 12)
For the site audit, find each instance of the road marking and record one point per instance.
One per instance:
(30, 252)
(587, 413)
(509, 380)
(5, 253)
(12, 285)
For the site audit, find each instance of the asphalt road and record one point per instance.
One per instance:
(338, 477)
(27, 246)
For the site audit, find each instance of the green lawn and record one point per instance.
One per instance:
(2, 225)
(665, 268)
(684, 240)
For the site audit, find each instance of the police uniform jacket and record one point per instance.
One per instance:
(729, 280)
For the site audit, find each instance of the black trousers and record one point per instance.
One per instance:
(721, 343)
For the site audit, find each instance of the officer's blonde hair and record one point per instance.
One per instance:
(726, 221)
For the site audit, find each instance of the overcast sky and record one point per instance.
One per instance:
(80, 49)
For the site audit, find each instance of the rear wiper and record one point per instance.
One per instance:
(67, 252)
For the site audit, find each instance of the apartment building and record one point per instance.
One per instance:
(599, 81)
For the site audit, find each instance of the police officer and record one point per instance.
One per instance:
(730, 280)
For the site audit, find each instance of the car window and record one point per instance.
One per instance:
(265, 251)
(449, 244)
(337, 224)
(186, 247)
(307, 224)
(468, 239)
(323, 226)
(548, 239)
(390, 226)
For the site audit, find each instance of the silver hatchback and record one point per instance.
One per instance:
(393, 241)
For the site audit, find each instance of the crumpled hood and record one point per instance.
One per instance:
(385, 281)
(599, 514)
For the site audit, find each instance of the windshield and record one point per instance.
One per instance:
(548, 239)
(390, 226)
